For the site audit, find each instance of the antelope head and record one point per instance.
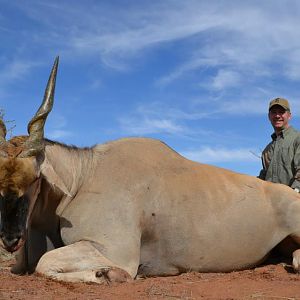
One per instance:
(20, 174)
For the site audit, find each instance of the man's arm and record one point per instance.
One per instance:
(263, 171)
(296, 165)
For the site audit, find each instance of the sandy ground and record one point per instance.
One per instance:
(274, 280)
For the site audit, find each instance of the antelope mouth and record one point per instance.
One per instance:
(12, 244)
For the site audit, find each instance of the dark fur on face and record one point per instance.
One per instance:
(16, 176)
(13, 220)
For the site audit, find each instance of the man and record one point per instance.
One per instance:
(281, 158)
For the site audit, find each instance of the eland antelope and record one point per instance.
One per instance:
(132, 207)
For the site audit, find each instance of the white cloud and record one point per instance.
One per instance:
(233, 40)
(146, 126)
(244, 105)
(96, 84)
(136, 29)
(201, 109)
(234, 34)
(159, 117)
(57, 124)
(57, 121)
(188, 66)
(12, 71)
(58, 134)
(159, 110)
(225, 79)
(219, 155)
(15, 69)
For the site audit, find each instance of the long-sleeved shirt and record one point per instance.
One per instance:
(281, 159)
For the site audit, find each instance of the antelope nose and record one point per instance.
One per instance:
(10, 242)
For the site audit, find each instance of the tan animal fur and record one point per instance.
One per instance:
(135, 207)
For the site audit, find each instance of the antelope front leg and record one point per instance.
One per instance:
(80, 262)
(20, 267)
(296, 261)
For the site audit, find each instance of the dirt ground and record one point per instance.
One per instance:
(274, 280)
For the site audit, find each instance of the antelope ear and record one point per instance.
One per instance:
(52, 177)
(2, 137)
(2, 131)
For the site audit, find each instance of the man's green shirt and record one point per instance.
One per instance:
(281, 159)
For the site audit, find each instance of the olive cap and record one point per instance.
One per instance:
(281, 102)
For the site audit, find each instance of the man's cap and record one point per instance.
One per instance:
(281, 102)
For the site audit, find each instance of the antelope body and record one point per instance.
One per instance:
(132, 207)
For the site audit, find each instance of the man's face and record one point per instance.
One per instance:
(279, 117)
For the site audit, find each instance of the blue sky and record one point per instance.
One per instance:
(197, 75)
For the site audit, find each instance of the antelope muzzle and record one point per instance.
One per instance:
(14, 212)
